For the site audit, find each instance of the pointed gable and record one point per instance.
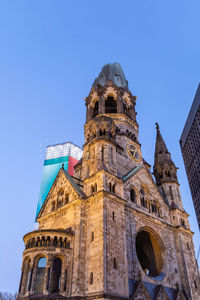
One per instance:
(63, 190)
(141, 176)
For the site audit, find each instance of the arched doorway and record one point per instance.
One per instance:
(56, 275)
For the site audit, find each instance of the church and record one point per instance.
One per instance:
(112, 230)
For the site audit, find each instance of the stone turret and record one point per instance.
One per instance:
(165, 172)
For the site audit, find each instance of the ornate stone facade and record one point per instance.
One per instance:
(111, 231)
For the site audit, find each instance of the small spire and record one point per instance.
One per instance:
(160, 144)
(63, 166)
(162, 158)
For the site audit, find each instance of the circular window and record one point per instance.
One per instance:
(149, 253)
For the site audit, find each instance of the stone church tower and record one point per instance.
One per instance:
(111, 231)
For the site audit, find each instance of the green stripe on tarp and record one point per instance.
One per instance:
(54, 161)
(50, 171)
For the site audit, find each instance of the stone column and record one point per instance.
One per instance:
(33, 279)
(46, 279)
(62, 279)
(119, 104)
(101, 104)
(30, 279)
(50, 277)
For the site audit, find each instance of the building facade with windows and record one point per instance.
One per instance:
(190, 147)
(111, 231)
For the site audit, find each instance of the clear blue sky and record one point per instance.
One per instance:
(50, 53)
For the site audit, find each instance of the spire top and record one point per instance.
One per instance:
(160, 144)
(114, 73)
(157, 126)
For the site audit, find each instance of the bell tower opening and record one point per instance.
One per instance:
(96, 109)
(110, 105)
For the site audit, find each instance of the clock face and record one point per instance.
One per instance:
(134, 151)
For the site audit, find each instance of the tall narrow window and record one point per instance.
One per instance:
(102, 153)
(66, 198)
(55, 241)
(92, 236)
(154, 207)
(113, 216)
(111, 154)
(56, 275)
(132, 195)
(143, 198)
(91, 278)
(40, 273)
(92, 189)
(114, 263)
(113, 188)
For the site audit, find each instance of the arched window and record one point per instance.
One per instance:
(143, 200)
(132, 195)
(56, 275)
(96, 109)
(40, 273)
(60, 198)
(55, 241)
(183, 222)
(154, 207)
(110, 105)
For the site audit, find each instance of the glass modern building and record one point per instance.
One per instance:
(190, 147)
(66, 155)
